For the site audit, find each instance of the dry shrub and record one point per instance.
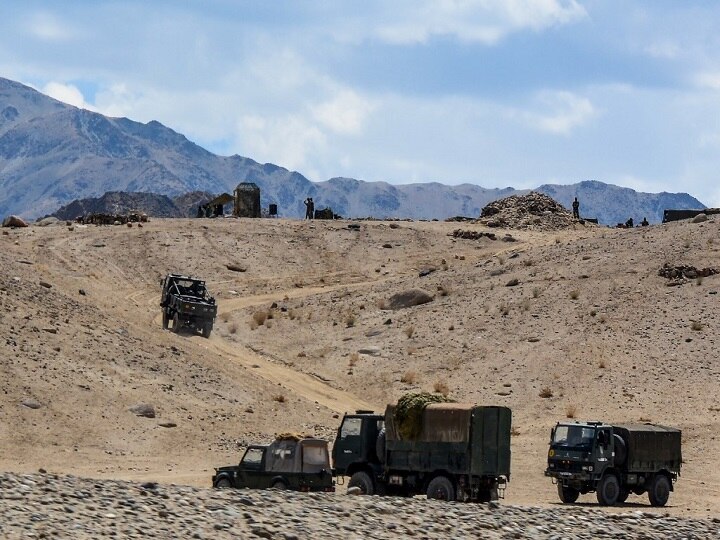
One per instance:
(697, 326)
(350, 321)
(409, 331)
(546, 392)
(233, 328)
(225, 317)
(570, 411)
(280, 398)
(441, 387)
(525, 304)
(382, 304)
(504, 309)
(409, 377)
(442, 290)
(699, 281)
(528, 262)
(354, 358)
(292, 314)
(536, 292)
(268, 324)
(574, 294)
(602, 364)
(514, 432)
(259, 317)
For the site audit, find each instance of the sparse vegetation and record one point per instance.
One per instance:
(574, 294)
(504, 309)
(570, 411)
(546, 392)
(354, 358)
(697, 326)
(441, 387)
(409, 377)
(528, 262)
(699, 281)
(602, 364)
(233, 328)
(350, 320)
(514, 431)
(280, 398)
(525, 305)
(409, 331)
(536, 292)
(259, 317)
(382, 304)
(442, 290)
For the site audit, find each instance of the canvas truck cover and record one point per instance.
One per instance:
(441, 422)
(461, 438)
(651, 447)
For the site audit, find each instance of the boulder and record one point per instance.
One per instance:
(14, 221)
(44, 222)
(143, 409)
(700, 218)
(409, 298)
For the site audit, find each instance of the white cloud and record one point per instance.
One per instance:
(290, 141)
(47, 27)
(708, 80)
(345, 113)
(560, 112)
(665, 49)
(67, 93)
(483, 21)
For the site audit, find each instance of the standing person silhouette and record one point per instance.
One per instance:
(576, 208)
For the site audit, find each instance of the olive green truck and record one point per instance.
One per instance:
(457, 452)
(614, 461)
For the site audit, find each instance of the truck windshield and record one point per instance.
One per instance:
(574, 436)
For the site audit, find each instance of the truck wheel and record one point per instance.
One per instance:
(442, 488)
(567, 494)
(206, 331)
(624, 494)
(659, 491)
(223, 482)
(608, 490)
(362, 480)
(166, 320)
(279, 484)
(176, 324)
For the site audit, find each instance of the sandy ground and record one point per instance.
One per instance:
(590, 321)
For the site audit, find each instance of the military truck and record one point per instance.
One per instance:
(300, 464)
(458, 452)
(614, 461)
(186, 302)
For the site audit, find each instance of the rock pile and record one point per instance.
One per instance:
(685, 272)
(477, 235)
(50, 506)
(532, 211)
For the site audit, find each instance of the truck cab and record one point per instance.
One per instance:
(580, 451)
(356, 444)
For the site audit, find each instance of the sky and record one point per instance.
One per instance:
(491, 92)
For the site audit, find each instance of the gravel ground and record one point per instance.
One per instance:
(51, 506)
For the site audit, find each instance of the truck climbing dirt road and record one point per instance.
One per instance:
(187, 303)
(614, 461)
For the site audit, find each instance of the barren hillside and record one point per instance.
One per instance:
(589, 323)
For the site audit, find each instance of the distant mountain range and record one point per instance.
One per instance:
(52, 153)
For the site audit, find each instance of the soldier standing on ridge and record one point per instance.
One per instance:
(576, 209)
(308, 210)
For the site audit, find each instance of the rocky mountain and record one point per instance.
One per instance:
(52, 153)
(120, 202)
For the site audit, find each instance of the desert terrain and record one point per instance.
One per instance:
(589, 331)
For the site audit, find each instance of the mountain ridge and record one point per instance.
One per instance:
(52, 153)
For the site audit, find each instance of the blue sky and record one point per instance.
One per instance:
(492, 92)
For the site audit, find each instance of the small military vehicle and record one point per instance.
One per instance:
(456, 452)
(614, 461)
(186, 302)
(300, 464)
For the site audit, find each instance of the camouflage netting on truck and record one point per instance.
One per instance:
(408, 415)
(290, 436)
